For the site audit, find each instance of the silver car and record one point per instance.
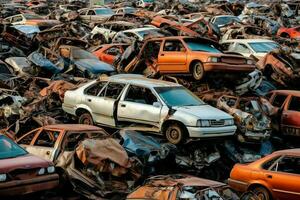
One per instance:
(139, 103)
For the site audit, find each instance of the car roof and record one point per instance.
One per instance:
(288, 151)
(248, 40)
(287, 92)
(141, 29)
(140, 80)
(73, 127)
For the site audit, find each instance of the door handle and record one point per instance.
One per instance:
(89, 100)
(123, 105)
(48, 153)
(162, 54)
(269, 176)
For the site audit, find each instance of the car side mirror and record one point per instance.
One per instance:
(157, 104)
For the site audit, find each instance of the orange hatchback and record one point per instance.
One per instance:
(276, 176)
(195, 56)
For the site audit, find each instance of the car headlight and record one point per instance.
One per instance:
(41, 171)
(3, 177)
(213, 59)
(51, 169)
(203, 123)
(228, 122)
(250, 62)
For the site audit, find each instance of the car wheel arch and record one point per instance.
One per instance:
(172, 121)
(193, 62)
(263, 185)
(80, 111)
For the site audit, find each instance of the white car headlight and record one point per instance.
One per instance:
(229, 122)
(3, 177)
(51, 169)
(203, 123)
(213, 59)
(41, 171)
(250, 62)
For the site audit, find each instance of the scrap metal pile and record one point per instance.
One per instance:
(177, 86)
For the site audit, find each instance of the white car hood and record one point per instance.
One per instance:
(203, 112)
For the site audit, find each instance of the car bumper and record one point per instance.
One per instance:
(239, 186)
(207, 132)
(21, 187)
(223, 67)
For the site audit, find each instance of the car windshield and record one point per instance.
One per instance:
(129, 10)
(82, 54)
(104, 11)
(8, 149)
(30, 16)
(148, 1)
(205, 46)
(152, 32)
(172, 96)
(263, 47)
(226, 20)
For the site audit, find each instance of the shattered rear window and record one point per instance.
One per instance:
(172, 96)
(195, 45)
(8, 149)
(263, 47)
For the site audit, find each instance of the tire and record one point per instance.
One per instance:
(85, 118)
(262, 193)
(197, 71)
(175, 134)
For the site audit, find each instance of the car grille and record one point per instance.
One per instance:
(215, 123)
(21, 174)
(233, 60)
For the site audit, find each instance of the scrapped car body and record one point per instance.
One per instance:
(95, 15)
(275, 176)
(292, 33)
(282, 66)
(179, 186)
(250, 47)
(187, 55)
(108, 52)
(51, 141)
(101, 168)
(156, 105)
(287, 101)
(23, 173)
(249, 116)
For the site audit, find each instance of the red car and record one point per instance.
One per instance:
(108, 52)
(23, 173)
(293, 33)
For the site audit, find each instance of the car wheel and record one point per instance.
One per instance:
(175, 134)
(261, 193)
(86, 118)
(198, 71)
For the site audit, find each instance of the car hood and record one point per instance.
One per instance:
(94, 66)
(203, 112)
(28, 161)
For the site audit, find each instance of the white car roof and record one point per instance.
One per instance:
(140, 29)
(247, 40)
(140, 80)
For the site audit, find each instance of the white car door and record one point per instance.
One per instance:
(139, 104)
(103, 106)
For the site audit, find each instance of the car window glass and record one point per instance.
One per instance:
(91, 12)
(174, 45)
(45, 139)
(27, 139)
(112, 90)
(140, 95)
(269, 163)
(279, 100)
(242, 48)
(294, 104)
(94, 89)
(288, 164)
(16, 19)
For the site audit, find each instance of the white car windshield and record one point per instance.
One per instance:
(172, 96)
(263, 47)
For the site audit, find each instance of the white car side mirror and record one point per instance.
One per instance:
(157, 104)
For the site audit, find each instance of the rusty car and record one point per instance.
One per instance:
(154, 105)
(23, 173)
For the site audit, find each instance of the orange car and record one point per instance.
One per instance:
(293, 33)
(178, 186)
(276, 176)
(108, 52)
(188, 55)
